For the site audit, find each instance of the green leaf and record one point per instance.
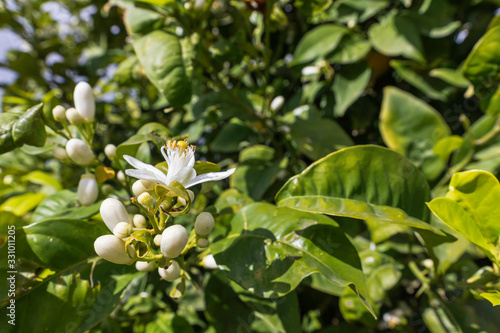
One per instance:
(492, 296)
(255, 175)
(269, 250)
(29, 128)
(154, 132)
(363, 182)
(312, 7)
(17, 130)
(352, 48)
(397, 36)
(412, 128)
(231, 135)
(58, 243)
(450, 76)
(318, 42)
(432, 90)
(446, 146)
(470, 209)
(22, 204)
(316, 136)
(482, 69)
(348, 85)
(42, 178)
(168, 322)
(160, 54)
(63, 204)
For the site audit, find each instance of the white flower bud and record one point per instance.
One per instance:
(171, 273)
(59, 113)
(140, 186)
(173, 241)
(60, 153)
(87, 189)
(73, 116)
(123, 230)
(144, 266)
(157, 240)
(202, 242)
(110, 151)
(146, 200)
(204, 224)
(191, 196)
(140, 221)
(84, 101)
(112, 249)
(209, 262)
(277, 103)
(79, 152)
(113, 212)
(310, 70)
(120, 176)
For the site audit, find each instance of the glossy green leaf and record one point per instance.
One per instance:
(492, 296)
(19, 129)
(416, 79)
(22, 204)
(352, 48)
(230, 136)
(363, 182)
(470, 209)
(42, 178)
(269, 250)
(153, 132)
(450, 76)
(349, 84)
(412, 128)
(396, 36)
(160, 53)
(318, 42)
(482, 68)
(169, 323)
(63, 204)
(446, 146)
(58, 243)
(312, 7)
(255, 172)
(316, 136)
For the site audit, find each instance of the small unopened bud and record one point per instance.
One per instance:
(146, 200)
(140, 221)
(84, 101)
(113, 212)
(157, 240)
(122, 230)
(204, 224)
(107, 189)
(112, 249)
(144, 266)
(59, 113)
(202, 242)
(173, 241)
(88, 190)
(310, 70)
(209, 262)
(277, 103)
(79, 152)
(428, 263)
(110, 151)
(171, 273)
(191, 197)
(140, 186)
(60, 153)
(73, 116)
(120, 176)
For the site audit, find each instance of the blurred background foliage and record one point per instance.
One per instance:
(269, 86)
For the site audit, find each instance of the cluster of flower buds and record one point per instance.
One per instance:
(152, 239)
(78, 150)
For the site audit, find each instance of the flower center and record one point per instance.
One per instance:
(180, 146)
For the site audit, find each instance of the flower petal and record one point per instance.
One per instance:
(144, 174)
(160, 176)
(185, 175)
(211, 176)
